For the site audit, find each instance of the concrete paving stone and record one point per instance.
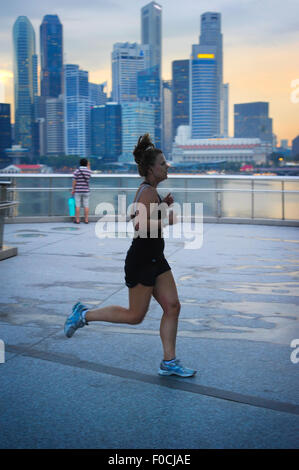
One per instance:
(25, 336)
(89, 410)
(237, 366)
(239, 294)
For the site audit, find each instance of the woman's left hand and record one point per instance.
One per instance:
(168, 199)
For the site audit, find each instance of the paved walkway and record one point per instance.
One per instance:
(100, 389)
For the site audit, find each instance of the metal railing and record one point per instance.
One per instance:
(5, 205)
(225, 198)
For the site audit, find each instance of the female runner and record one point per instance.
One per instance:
(147, 273)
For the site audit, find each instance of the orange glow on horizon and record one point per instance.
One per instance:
(253, 74)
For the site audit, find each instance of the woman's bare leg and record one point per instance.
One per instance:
(165, 292)
(139, 300)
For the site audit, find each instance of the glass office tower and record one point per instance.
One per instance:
(127, 60)
(138, 118)
(51, 83)
(204, 103)
(106, 134)
(167, 118)
(151, 32)
(97, 95)
(25, 81)
(51, 53)
(206, 79)
(55, 126)
(76, 111)
(5, 128)
(106, 131)
(225, 110)
(252, 120)
(113, 131)
(148, 89)
(295, 146)
(97, 129)
(180, 94)
(151, 36)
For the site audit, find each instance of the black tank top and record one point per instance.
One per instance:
(159, 212)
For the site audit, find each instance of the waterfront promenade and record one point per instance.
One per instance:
(100, 389)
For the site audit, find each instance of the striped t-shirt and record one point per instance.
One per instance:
(82, 176)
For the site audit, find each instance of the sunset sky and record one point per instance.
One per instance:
(260, 44)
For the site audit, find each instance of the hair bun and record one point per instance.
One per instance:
(149, 147)
(145, 153)
(144, 143)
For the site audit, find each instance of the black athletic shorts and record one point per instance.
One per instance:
(145, 261)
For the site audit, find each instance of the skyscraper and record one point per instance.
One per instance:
(148, 84)
(252, 120)
(25, 81)
(210, 35)
(295, 147)
(204, 103)
(51, 82)
(113, 131)
(97, 129)
(5, 128)
(55, 126)
(138, 118)
(151, 36)
(180, 94)
(106, 135)
(149, 90)
(151, 32)
(167, 117)
(127, 61)
(224, 110)
(97, 96)
(51, 53)
(76, 111)
(206, 79)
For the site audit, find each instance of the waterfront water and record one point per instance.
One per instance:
(222, 196)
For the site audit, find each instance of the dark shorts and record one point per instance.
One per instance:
(144, 263)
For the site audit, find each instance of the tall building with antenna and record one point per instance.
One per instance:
(151, 32)
(151, 37)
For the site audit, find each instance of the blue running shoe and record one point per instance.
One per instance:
(175, 368)
(75, 306)
(75, 320)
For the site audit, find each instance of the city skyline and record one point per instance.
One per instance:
(254, 37)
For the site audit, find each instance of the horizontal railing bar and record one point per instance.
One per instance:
(5, 205)
(181, 190)
(170, 176)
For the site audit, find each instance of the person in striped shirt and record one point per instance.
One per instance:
(80, 189)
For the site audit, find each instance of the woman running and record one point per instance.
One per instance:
(147, 273)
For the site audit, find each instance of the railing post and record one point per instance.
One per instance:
(50, 196)
(5, 252)
(252, 199)
(282, 200)
(218, 201)
(13, 211)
